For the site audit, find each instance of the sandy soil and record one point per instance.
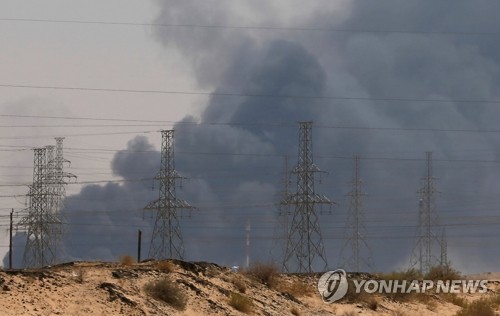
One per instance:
(85, 288)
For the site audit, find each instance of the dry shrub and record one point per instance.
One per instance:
(455, 299)
(239, 284)
(353, 297)
(372, 304)
(241, 303)
(400, 276)
(167, 291)
(481, 307)
(165, 266)
(295, 311)
(443, 272)
(127, 260)
(80, 275)
(296, 288)
(267, 274)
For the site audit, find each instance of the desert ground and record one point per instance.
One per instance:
(97, 288)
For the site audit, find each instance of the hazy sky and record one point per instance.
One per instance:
(427, 71)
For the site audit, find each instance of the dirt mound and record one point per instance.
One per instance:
(97, 288)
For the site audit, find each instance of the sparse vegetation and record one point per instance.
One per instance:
(455, 299)
(444, 273)
(241, 303)
(295, 311)
(297, 288)
(127, 260)
(353, 297)
(267, 274)
(372, 304)
(169, 292)
(481, 307)
(239, 285)
(165, 266)
(407, 275)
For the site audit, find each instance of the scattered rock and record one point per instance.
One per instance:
(124, 274)
(116, 292)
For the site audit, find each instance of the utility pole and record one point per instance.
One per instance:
(304, 249)
(166, 240)
(10, 238)
(248, 230)
(355, 223)
(139, 243)
(423, 255)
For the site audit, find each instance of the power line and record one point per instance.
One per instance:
(251, 27)
(256, 95)
(212, 123)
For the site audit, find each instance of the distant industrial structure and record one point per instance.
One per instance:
(304, 250)
(43, 221)
(166, 239)
(356, 253)
(430, 247)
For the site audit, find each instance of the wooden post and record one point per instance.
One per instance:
(10, 239)
(139, 246)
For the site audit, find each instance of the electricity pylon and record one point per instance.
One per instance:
(428, 241)
(360, 256)
(166, 240)
(39, 250)
(304, 247)
(43, 222)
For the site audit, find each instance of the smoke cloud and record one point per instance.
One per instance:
(385, 60)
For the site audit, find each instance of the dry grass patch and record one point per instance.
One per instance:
(444, 273)
(127, 260)
(165, 266)
(481, 307)
(265, 273)
(239, 285)
(296, 288)
(167, 291)
(241, 303)
(455, 299)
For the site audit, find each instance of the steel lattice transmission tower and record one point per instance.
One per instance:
(428, 241)
(38, 222)
(356, 240)
(57, 180)
(304, 246)
(166, 240)
(43, 222)
(59, 176)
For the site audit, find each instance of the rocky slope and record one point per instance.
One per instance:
(96, 288)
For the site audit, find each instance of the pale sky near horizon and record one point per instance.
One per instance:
(81, 55)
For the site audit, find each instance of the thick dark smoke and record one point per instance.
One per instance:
(102, 220)
(418, 50)
(410, 55)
